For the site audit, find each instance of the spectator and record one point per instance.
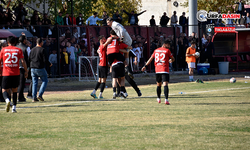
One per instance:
(137, 50)
(117, 17)
(73, 22)
(248, 20)
(75, 34)
(47, 50)
(133, 20)
(92, 22)
(26, 25)
(47, 22)
(210, 21)
(104, 22)
(20, 12)
(153, 24)
(242, 20)
(59, 19)
(38, 59)
(65, 58)
(35, 18)
(66, 20)
(174, 21)
(53, 61)
(181, 54)
(229, 22)
(183, 21)
(194, 37)
(79, 22)
(218, 22)
(72, 49)
(164, 20)
(208, 52)
(239, 9)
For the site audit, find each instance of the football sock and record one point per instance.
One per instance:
(114, 89)
(6, 96)
(118, 89)
(14, 107)
(102, 87)
(97, 86)
(123, 89)
(14, 98)
(166, 90)
(158, 90)
(100, 94)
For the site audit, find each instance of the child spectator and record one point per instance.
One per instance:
(191, 59)
(65, 61)
(136, 50)
(72, 66)
(53, 60)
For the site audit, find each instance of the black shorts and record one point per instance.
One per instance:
(118, 70)
(118, 56)
(162, 77)
(103, 71)
(10, 82)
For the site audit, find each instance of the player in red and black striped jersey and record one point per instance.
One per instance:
(162, 56)
(102, 68)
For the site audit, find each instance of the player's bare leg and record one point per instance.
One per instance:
(6, 98)
(191, 74)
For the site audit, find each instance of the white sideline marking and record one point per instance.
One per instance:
(59, 104)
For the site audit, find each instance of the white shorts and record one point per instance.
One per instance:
(191, 65)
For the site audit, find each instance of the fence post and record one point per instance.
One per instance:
(175, 48)
(88, 40)
(148, 47)
(58, 51)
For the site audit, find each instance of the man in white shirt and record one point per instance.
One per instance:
(174, 21)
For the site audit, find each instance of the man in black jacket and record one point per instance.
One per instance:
(23, 47)
(183, 21)
(79, 22)
(38, 59)
(164, 20)
(133, 19)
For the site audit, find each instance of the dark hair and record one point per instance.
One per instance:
(95, 13)
(100, 37)
(193, 42)
(112, 32)
(39, 41)
(22, 38)
(110, 19)
(11, 40)
(167, 42)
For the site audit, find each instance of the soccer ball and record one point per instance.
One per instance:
(197, 54)
(232, 80)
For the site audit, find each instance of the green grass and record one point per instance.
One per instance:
(216, 119)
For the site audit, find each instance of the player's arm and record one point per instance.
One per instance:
(109, 40)
(147, 63)
(135, 62)
(25, 67)
(123, 50)
(172, 59)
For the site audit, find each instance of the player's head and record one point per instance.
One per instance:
(109, 21)
(39, 42)
(166, 44)
(11, 40)
(22, 39)
(101, 39)
(112, 33)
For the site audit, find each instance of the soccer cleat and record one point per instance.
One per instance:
(114, 95)
(100, 97)
(93, 95)
(14, 111)
(7, 107)
(167, 102)
(40, 98)
(139, 93)
(125, 95)
(158, 100)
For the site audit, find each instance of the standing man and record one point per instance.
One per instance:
(133, 20)
(162, 56)
(10, 57)
(240, 9)
(164, 20)
(23, 47)
(102, 68)
(92, 22)
(79, 22)
(38, 59)
(183, 21)
(174, 21)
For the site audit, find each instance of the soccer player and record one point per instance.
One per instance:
(10, 57)
(191, 59)
(162, 56)
(102, 68)
(122, 33)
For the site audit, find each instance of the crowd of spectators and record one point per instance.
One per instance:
(73, 37)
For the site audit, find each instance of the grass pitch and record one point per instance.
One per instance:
(213, 115)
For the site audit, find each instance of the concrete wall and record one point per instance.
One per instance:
(157, 7)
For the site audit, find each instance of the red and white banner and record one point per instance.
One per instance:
(224, 29)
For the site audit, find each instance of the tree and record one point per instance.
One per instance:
(214, 5)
